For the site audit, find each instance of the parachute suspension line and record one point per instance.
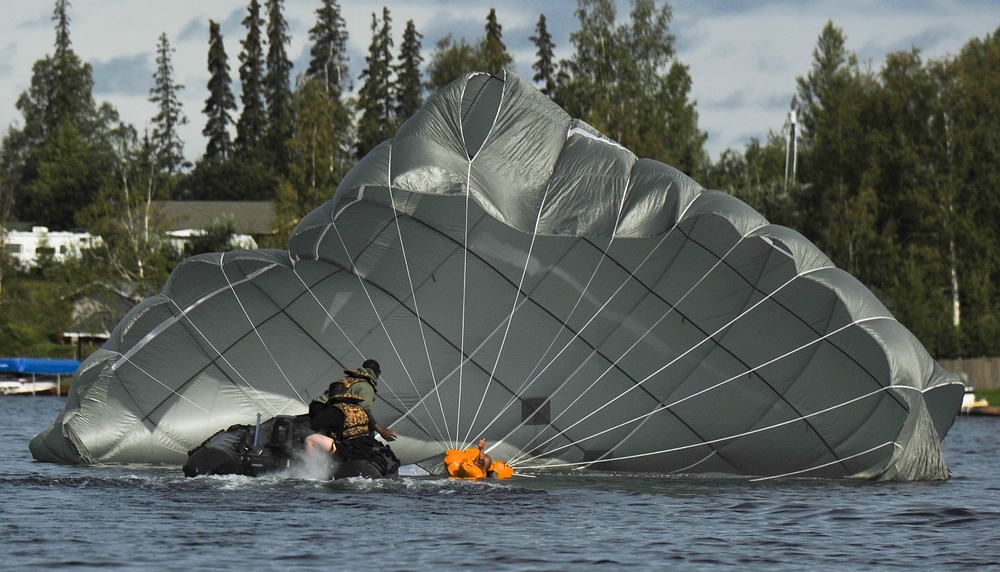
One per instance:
(576, 336)
(635, 343)
(416, 308)
(510, 318)
(346, 337)
(723, 439)
(686, 294)
(371, 301)
(665, 407)
(455, 370)
(824, 465)
(682, 470)
(604, 254)
(167, 387)
(465, 287)
(676, 359)
(232, 288)
(225, 360)
(181, 313)
(586, 287)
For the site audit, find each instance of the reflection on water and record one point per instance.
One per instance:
(152, 516)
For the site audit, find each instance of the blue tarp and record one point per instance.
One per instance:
(38, 365)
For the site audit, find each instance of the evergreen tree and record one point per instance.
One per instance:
(54, 165)
(545, 66)
(494, 52)
(451, 60)
(220, 100)
(61, 16)
(329, 58)
(252, 125)
(835, 109)
(166, 140)
(625, 82)
(277, 89)
(376, 95)
(409, 87)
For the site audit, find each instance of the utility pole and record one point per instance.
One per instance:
(791, 146)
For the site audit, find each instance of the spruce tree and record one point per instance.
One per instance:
(329, 58)
(450, 60)
(252, 124)
(623, 79)
(494, 52)
(220, 99)
(54, 165)
(277, 90)
(376, 94)
(61, 16)
(545, 66)
(166, 140)
(409, 87)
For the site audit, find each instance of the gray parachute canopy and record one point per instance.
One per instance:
(521, 277)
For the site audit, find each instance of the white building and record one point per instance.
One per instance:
(182, 220)
(28, 247)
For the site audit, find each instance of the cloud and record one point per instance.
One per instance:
(42, 21)
(195, 29)
(779, 102)
(124, 75)
(735, 100)
(928, 40)
(7, 59)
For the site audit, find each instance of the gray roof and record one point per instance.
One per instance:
(252, 217)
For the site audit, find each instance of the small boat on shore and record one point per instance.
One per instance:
(36, 376)
(23, 386)
(973, 406)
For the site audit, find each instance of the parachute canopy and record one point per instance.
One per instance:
(523, 278)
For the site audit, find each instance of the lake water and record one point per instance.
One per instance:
(152, 517)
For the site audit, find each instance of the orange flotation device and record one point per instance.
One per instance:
(462, 465)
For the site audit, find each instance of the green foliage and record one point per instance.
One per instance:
(169, 147)
(328, 62)
(317, 155)
(494, 52)
(34, 311)
(277, 89)
(252, 124)
(757, 177)
(55, 164)
(220, 100)
(216, 237)
(898, 179)
(451, 60)
(545, 66)
(377, 93)
(409, 86)
(131, 249)
(624, 81)
(233, 180)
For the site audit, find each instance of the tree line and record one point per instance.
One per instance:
(894, 179)
(898, 182)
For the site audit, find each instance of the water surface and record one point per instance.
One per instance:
(57, 516)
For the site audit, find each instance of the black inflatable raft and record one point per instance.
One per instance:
(275, 444)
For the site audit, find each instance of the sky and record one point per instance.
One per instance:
(743, 56)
